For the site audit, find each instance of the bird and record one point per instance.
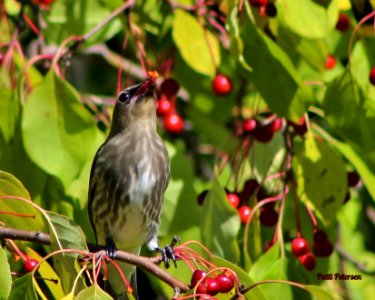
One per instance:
(129, 175)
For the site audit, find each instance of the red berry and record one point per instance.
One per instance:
(258, 3)
(169, 87)
(226, 281)
(268, 217)
(233, 199)
(173, 123)
(271, 10)
(221, 85)
(343, 23)
(277, 124)
(29, 264)
(320, 236)
(244, 213)
(163, 106)
(372, 76)
(249, 125)
(197, 275)
(264, 133)
(308, 261)
(213, 287)
(300, 246)
(323, 249)
(43, 2)
(330, 62)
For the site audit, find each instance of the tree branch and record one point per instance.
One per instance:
(149, 264)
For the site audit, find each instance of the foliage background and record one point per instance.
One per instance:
(51, 124)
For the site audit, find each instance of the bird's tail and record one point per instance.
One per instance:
(116, 283)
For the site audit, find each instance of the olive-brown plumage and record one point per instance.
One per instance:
(128, 178)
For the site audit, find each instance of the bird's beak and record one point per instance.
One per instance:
(145, 89)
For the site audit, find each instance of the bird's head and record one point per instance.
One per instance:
(134, 106)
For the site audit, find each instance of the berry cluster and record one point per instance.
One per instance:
(212, 285)
(166, 107)
(322, 247)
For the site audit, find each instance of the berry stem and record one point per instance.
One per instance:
(312, 217)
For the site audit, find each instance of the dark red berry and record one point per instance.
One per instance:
(264, 133)
(173, 123)
(271, 10)
(300, 246)
(353, 178)
(221, 85)
(249, 125)
(164, 106)
(244, 213)
(169, 87)
(233, 199)
(320, 236)
(226, 281)
(213, 287)
(308, 261)
(258, 3)
(323, 249)
(300, 128)
(268, 217)
(343, 23)
(372, 76)
(250, 186)
(330, 62)
(43, 2)
(30, 264)
(197, 275)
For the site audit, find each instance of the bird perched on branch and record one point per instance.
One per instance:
(128, 178)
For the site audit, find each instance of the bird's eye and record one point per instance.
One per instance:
(124, 97)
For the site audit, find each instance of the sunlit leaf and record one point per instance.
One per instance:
(93, 292)
(5, 277)
(198, 46)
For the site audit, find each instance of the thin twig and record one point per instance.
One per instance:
(149, 264)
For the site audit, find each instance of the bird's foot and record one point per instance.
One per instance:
(110, 248)
(167, 253)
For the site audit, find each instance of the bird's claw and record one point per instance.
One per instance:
(110, 248)
(167, 253)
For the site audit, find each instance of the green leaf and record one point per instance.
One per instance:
(220, 224)
(5, 277)
(59, 134)
(23, 288)
(308, 18)
(9, 111)
(319, 293)
(65, 234)
(350, 114)
(28, 217)
(321, 178)
(93, 292)
(274, 74)
(198, 47)
(365, 171)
